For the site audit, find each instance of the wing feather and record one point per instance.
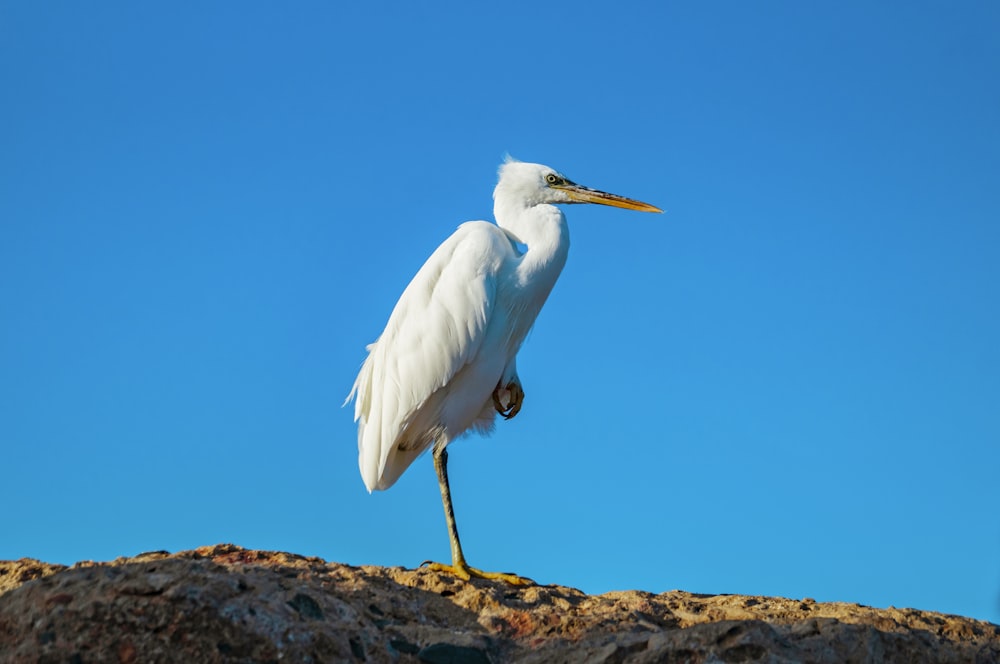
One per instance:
(436, 328)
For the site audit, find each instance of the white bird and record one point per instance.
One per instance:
(446, 362)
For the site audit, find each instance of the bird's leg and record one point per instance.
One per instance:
(458, 566)
(514, 401)
(441, 467)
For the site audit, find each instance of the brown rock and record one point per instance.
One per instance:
(15, 572)
(228, 604)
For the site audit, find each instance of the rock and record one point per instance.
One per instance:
(228, 604)
(15, 572)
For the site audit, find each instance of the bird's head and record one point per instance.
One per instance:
(536, 184)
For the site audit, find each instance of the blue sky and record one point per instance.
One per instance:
(787, 384)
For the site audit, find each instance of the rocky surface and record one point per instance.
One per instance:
(228, 604)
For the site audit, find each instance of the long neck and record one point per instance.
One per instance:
(542, 228)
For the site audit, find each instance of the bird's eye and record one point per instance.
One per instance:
(552, 178)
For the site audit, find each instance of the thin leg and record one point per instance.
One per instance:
(458, 566)
(441, 467)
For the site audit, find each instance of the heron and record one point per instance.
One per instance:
(446, 363)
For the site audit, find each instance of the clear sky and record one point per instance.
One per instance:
(787, 384)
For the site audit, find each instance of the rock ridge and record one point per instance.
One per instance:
(224, 603)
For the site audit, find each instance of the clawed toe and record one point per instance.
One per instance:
(466, 573)
(514, 402)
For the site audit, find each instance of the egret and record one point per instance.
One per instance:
(446, 362)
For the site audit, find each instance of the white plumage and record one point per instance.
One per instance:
(445, 362)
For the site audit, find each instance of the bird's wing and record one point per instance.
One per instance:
(435, 329)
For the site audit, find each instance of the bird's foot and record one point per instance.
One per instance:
(514, 400)
(466, 573)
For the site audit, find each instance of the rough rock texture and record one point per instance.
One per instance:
(228, 604)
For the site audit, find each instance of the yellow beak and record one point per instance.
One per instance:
(581, 194)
